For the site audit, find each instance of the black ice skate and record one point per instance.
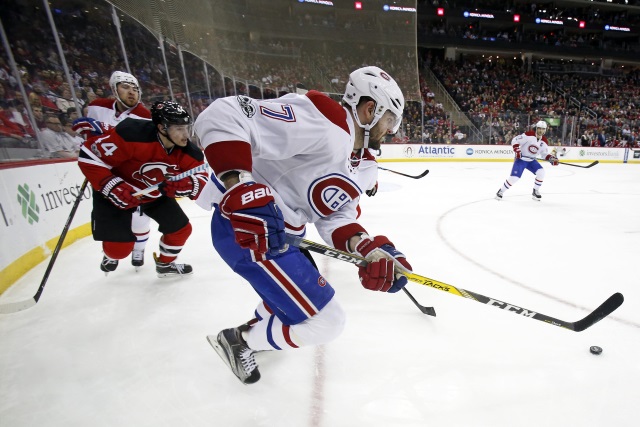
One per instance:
(170, 269)
(234, 351)
(499, 195)
(536, 195)
(108, 265)
(137, 258)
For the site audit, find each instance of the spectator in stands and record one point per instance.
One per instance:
(55, 140)
(602, 139)
(65, 101)
(11, 135)
(38, 114)
(71, 134)
(585, 139)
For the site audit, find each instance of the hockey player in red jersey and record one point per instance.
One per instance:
(527, 147)
(105, 113)
(132, 156)
(278, 165)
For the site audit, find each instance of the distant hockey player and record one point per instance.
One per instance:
(132, 156)
(105, 113)
(278, 165)
(527, 147)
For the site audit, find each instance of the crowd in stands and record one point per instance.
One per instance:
(502, 97)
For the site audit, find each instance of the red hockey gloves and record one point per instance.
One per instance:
(119, 193)
(385, 264)
(256, 220)
(516, 149)
(86, 126)
(552, 159)
(186, 187)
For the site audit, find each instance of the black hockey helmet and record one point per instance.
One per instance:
(169, 113)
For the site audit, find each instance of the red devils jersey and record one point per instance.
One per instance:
(133, 152)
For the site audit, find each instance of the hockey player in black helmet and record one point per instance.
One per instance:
(135, 155)
(173, 123)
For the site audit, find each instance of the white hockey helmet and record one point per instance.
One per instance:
(378, 85)
(122, 77)
(541, 124)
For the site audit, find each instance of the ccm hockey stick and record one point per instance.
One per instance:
(14, 307)
(592, 164)
(404, 174)
(605, 309)
(178, 177)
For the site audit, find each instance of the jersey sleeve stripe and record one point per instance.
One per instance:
(221, 163)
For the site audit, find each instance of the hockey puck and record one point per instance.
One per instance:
(594, 349)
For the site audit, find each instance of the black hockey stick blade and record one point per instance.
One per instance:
(430, 311)
(605, 309)
(404, 174)
(580, 166)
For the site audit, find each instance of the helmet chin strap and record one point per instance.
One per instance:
(366, 128)
(166, 135)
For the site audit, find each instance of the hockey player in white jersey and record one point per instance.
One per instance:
(105, 113)
(279, 165)
(527, 147)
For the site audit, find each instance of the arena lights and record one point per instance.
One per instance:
(321, 2)
(388, 8)
(616, 28)
(549, 21)
(440, 11)
(467, 14)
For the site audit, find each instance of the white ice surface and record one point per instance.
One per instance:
(130, 349)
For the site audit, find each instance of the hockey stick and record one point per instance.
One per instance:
(430, 311)
(605, 309)
(404, 174)
(568, 164)
(178, 177)
(426, 310)
(580, 166)
(17, 306)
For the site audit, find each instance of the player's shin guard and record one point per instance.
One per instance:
(171, 244)
(508, 183)
(117, 250)
(270, 333)
(539, 179)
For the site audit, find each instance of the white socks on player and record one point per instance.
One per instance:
(271, 334)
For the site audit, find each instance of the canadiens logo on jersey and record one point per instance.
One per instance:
(322, 282)
(330, 193)
(154, 173)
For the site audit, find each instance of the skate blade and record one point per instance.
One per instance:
(213, 340)
(164, 275)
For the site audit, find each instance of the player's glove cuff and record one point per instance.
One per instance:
(110, 184)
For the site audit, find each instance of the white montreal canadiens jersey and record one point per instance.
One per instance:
(300, 146)
(530, 146)
(104, 110)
